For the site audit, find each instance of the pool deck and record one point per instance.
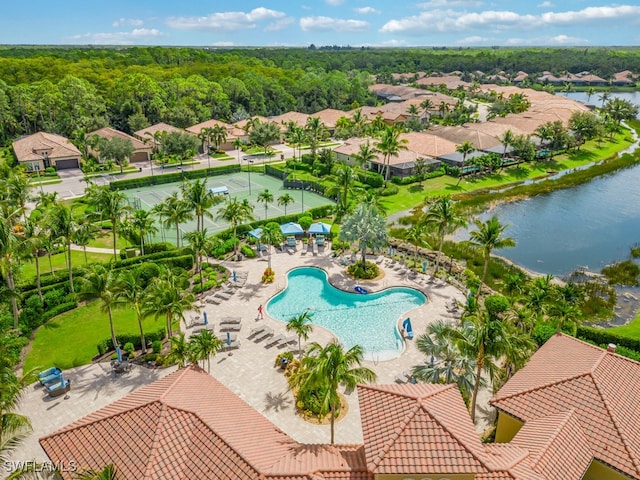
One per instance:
(249, 370)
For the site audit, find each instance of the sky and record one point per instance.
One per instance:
(375, 23)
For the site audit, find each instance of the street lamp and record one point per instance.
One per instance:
(249, 162)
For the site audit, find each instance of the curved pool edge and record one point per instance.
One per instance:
(375, 356)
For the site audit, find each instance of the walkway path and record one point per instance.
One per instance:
(248, 371)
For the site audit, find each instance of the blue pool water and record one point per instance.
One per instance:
(366, 320)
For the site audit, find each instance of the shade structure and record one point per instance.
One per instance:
(291, 228)
(256, 232)
(320, 228)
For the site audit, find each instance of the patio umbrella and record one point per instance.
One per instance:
(320, 228)
(119, 353)
(228, 338)
(206, 320)
(256, 233)
(291, 228)
(235, 277)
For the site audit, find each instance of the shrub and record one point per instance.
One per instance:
(184, 261)
(357, 271)
(58, 309)
(305, 221)
(373, 179)
(338, 245)
(172, 177)
(158, 247)
(128, 348)
(622, 273)
(542, 332)
(157, 346)
(147, 271)
(388, 190)
(604, 337)
(106, 344)
(268, 276)
(247, 251)
(208, 285)
(496, 304)
(54, 297)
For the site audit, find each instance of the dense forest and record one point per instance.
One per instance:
(72, 89)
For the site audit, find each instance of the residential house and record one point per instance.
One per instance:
(571, 413)
(43, 150)
(625, 78)
(451, 82)
(298, 118)
(142, 151)
(233, 132)
(149, 135)
(330, 116)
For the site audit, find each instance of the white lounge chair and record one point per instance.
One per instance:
(266, 333)
(231, 320)
(227, 327)
(287, 340)
(274, 341)
(257, 331)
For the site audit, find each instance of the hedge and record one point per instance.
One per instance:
(176, 252)
(58, 309)
(601, 336)
(183, 261)
(172, 177)
(150, 337)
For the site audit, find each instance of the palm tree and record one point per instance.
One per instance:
(203, 345)
(316, 132)
(442, 215)
(85, 233)
(344, 178)
(218, 136)
(488, 237)
(359, 121)
(590, 92)
(112, 205)
(34, 240)
(144, 225)
(302, 327)
(285, 200)
(564, 313)
(324, 369)
(18, 191)
(235, 213)
(107, 473)
(129, 289)
(426, 105)
(298, 137)
(172, 212)
(271, 235)
(181, 352)
(63, 225)
(200, 199)
(390, 145)
(603, 97)
(416, 236)
(265, 197)
(100, 282)
(168, 296)
(465, 148)
(205, 137)
(367, 227)
(237, 144)
(199, 243)
(10, 247)
(507, 139)
(366, 153)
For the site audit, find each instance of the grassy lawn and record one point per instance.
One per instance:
(104, 239)
(70, 339)
(28, 270)
(631, 329)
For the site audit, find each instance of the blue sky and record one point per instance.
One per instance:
(322, 22)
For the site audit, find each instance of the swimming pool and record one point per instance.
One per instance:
(366, 320)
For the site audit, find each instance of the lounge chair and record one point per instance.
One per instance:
(401, 378)
(320, 240)
(291, 242)
(380, 259)
(231, 346)
(274, 341)
(290, 250)
(212, 299)
(225, 295)
(287, 340)
(231, 320)
(257, 331)
(232, 338)
(230, 327)
(59, 388)
(48, 375)
(266, 333)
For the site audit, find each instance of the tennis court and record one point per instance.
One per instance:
(238, 186)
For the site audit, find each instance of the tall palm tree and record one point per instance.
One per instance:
(237, 144)
(10, 248)
(271, 235)
(301, 326)
(203, 345)
(442, 215)
(172, 212)
(359, 120)
(265, 197)
(200, 199)
(465, 148)
(390, 145)
(100, 282)
(18, 191)
(181, 352)
(129, 290)
(85, 233)
(218, 136)
(366, 153)
(298, 137)
(316, 132)
(324, 369)
(235, 213)
(200, 243)
(488, 237)
(344, 179)
(507, 139)
(426, 105)
(63, 226)
(168, 296)
(205, 137)
(143, 223)
(109, 472)
(34, 241)
(367, 227)
(285, 200)
(416, 235)
(565, 313)
(112, 205)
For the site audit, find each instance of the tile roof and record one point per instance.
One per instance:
(600, 386)
(329, 116)
(148, 132)
(428, 144)
(109, 133)
(420, 428)
(450, 81)
(298, 118)
(31, 147)
(232, 131)
(459, 135)
(242, 123)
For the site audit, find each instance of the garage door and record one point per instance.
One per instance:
(69, 163)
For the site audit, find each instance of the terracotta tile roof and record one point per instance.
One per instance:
(148, 132)
(428, 144)
(459, 135)
(402, 92)
(600, 386)
(232, 131)
(329, 116)
(109, 133)
(169, 423)
(450, 81)
(420, 428)
(31, 148)
(299, 118)
(329, 461)
(242, 123)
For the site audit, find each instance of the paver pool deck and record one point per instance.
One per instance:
(249, 370)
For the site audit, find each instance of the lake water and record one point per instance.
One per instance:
(591, 225)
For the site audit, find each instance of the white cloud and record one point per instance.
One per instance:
(545, 4)
(473, 40)
(279, 24)
(225, 21)
(562, 40)
(326, 24)
(335, 2)
(452, 20)
(133, 22)
(135, 36)
(222, 44)
(366, 10)
(449, 3)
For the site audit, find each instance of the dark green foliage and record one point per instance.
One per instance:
(600, 336)
(158, 247)
(58, 309)
(54, 297)
(107, 345)
(247, 251)
(172, 177)
(543, 332)
(183, 261)
(358, 272)
(496, 304)
(157, 346)
(389, 190)
(622, 273)
(305, 221)
(373, 179)
(310, 402)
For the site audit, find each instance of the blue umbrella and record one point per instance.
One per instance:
(235, 277)
(291, 228)
(119, 354)
(256, 233)
(206, 320)
(228, 338)
(424, 267)
(320, 228)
